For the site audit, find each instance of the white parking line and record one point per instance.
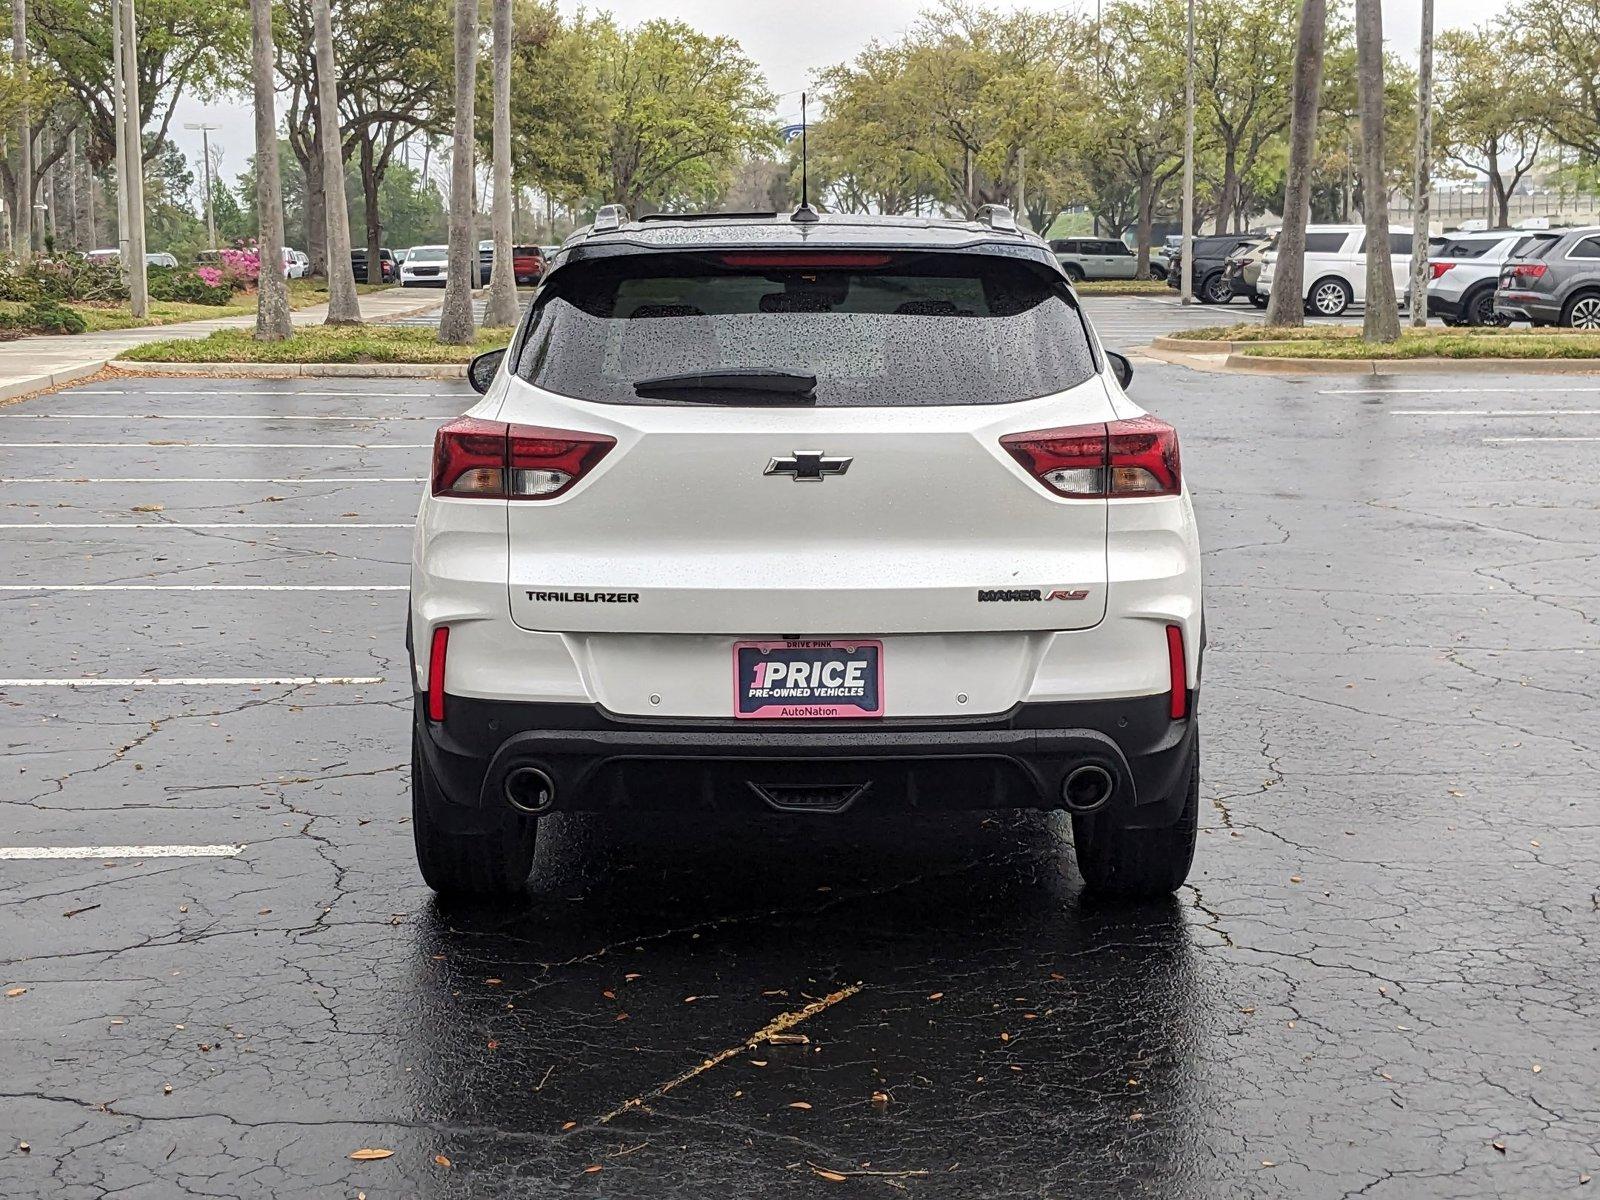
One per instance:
(1450, 391)
(136, 681)
(206, 525)
(1496, 412)
(204, 417)
(215, 446)
(16, 853)
(1493, 440)
(204, 587)
(275, 393)
(219, 479)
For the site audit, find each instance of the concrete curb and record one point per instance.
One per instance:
(1196, 346)
(19, 388)
(294, 370)
(1254, 365)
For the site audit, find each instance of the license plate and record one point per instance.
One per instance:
(801, 679)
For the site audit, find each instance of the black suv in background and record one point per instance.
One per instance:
(1210, 257)
(386, 265)
(1553, 281)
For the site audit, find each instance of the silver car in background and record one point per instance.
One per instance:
(1464, 269)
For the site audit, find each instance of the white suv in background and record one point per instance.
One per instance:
(425, 266)
(805, 515)
(1336, 267)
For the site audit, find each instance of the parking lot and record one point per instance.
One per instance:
(1379, 983)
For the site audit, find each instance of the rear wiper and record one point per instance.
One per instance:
(729, 387)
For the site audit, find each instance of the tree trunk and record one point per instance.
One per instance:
(1382, 321)
(316, 213)
(22, 238)
(503, 309)
(343, 307)
(371, 180)
(1144, 220)
(1422, 184)
(455, 322)
(1229, 199)
(272, 293)
(1286, 303)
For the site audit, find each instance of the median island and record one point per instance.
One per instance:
(1344, 342)
(313, 344)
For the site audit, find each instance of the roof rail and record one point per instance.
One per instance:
(608, 218)
(997, 217)
(709, 216)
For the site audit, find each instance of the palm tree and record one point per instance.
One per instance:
(23, 237)
(1286, 304)
(502, 308)
(455, 322)
(272, 293)
(1382, 320)
(343, 307)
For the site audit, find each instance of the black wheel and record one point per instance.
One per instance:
(1329, 298)
(1479, 309)
(1258, 300)
(462, 850)
(1074, 272)
(1214, 289)
(1158, 272)
(1582, 311)
(1140, 864)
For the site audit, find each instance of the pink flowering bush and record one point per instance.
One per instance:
(241, 268)
(211, 275)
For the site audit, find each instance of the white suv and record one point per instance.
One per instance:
(803, 515)
(1336, 267)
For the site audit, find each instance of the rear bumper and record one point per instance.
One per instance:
(1020, 759)
(1527, 306)
(1445, 307)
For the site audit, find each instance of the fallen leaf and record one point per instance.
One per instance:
(758, 1062)
(1136, 1116)
(24, 1147)
(262, 912)
(690, 999)
(1537, 1068)
(569, 1125)
(149, 508)
(166, 1089)
(370, 1154)
(12, 993)
(632, 975)
(493, 982)
(831, 1176)
(1295, 879)
(1267, 1162)
(788, 1039)
(441, 1160)
(799, 1104)
(880, 1097)
(1004, 1036)
(936, 996)
(1500, 1146)
(1585, 1178)
(609, 994)
(591, 1168)
(493, 1045)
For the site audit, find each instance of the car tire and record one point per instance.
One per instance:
(1329, 297)
(1074, 273)
(1214, 289)
(1258, 300)
(1140, 864)
(462, 850)
(1158, 272)
(1478, 309)
(1582, 311)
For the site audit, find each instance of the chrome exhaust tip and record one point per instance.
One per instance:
(529, 790)
(1087, 788)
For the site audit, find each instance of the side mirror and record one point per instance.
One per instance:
(481, 370)
(1120, 367)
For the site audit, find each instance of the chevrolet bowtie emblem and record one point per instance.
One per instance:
(808, 466)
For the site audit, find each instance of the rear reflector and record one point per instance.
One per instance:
(436, 653)
(788, 261)
(1136, 457)
(490, 460)
(1438, 269)
(1179, 673)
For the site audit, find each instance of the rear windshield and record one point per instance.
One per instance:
(874, 329)
(1533, 245)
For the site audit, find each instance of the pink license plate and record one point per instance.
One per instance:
(804, 679)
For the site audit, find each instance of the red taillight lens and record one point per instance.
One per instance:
(1438, 269)
(491, 460)
(1136, 457)
(436, 654)
(1523, 272)
(1179, 674)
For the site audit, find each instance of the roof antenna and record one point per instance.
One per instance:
(805, 214)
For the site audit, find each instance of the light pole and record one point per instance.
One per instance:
(1186, 291)
(130, 157)
(205, 153)
(1422, 193)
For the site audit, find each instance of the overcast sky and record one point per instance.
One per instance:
(791, 41)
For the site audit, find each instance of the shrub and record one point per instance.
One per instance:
(69, 277)
(198, 286)
(44, 317)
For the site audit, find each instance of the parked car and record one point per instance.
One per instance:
(1242, 270)
(1161, 256)
(1553, 279)
(152, 258)
(1094, 258)
(663, 493)
(1335, 274)
(302, 263)
(528, 263)
(425, 266)
(1212, 284)
(1464, 271)
(387, 267)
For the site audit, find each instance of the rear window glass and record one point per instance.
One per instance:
(1533, 244)
(1324, 243)
(1458, 248)
(1588, 248)
(883, 330)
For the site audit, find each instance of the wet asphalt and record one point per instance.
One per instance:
(1381, 981)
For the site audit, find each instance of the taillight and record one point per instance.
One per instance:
(790, 260)
(436, 655)
(1178, 674)
(1439, 269)
(491, 460)
(1523, 272)
(1135, 457)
